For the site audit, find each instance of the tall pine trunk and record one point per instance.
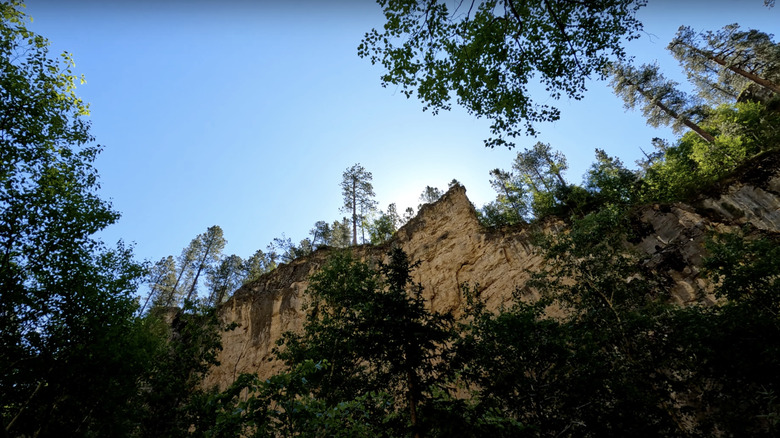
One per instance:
(769, 85)
(201, 265)
(354, 211)
(412, 397)
(685, 121)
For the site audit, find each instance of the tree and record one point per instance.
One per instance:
(661, 102)
(186, 347)
(162, 280)
(372, 327)
(358, 195)
(185, 266)
(510, 194)
(511, 203)
(384, 226)
(224, 278)
(490, 54)
(541, 170)
(257, 265)
(722, 64)
(393, 217)
(610, 181)
(542, 167)
(341, 234)
(284, 248)
(429, 196)
(207, 251)
(321, 234)
(71, 350)
(408, 215)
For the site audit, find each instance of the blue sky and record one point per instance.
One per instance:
(244, 114)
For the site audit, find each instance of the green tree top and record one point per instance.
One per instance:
(722, 64)
(358, 195)
(71, 352)
(661, 102)
(489, 55)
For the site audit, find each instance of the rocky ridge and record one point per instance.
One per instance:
(454, 249)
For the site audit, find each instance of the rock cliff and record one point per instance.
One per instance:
(454, 249)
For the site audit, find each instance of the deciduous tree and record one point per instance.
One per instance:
(71, 350)
(489, 55)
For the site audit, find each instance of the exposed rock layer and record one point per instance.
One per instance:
(454, 249)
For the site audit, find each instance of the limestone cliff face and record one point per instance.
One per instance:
(454, 249)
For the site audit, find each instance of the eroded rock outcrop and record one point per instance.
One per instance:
(454, 249)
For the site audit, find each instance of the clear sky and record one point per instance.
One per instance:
(244, 114)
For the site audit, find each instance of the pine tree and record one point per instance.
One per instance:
(375, 331)
(341, 233)
(542, 167)
(541, 170)
(224, 278)
(185, 264)
(384, 226)
(257, 265)
(321, 234)
(429, 195)
(662, 103)
(358, 195)
(722, 64)
(205, 251)
(510, 205)
(161, 279)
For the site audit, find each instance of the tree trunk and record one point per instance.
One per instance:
(769, 85)
(200, 269)
(541, 178)
(169, 301)
(508, 197)
(412, 396)
(354, 211)
(686, 121)
(148, 298)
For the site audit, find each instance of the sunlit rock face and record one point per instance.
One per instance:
(455, 250)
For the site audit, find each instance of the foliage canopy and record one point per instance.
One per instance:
(71, 350)
(492, 56)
